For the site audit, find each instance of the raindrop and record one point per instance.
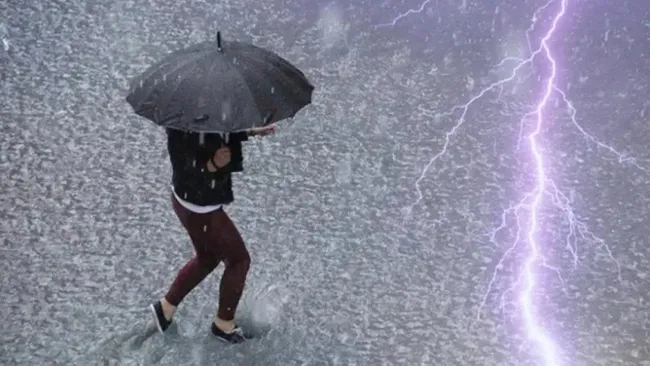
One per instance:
(213, 184)
(185, 195)
(202, 170)
(165, 78)
(272, 90)
(205, 228)
(226, 108)
(141, 83)
(194, 163)
(201, 138)
(234, 60)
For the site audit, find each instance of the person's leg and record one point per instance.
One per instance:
(232, 250)
(202, 264)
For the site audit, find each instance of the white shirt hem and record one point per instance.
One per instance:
(195, 208)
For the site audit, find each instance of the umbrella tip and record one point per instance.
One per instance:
(219, 40)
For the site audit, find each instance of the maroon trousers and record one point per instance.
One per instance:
(215, 238)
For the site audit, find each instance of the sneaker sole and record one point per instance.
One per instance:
(155, 319)
(224, 340)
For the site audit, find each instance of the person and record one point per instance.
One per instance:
(202, 165)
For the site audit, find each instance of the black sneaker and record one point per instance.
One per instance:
(159, 317)
(235, 336)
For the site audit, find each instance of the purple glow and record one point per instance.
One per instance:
(532, 201)
(535, 333)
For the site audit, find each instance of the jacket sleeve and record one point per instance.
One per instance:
(190, 153)
(239, 136)
(237, 155)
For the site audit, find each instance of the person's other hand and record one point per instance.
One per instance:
(262, 131)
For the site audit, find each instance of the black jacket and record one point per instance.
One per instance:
(189, 153)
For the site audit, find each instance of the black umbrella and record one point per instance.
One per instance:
(220, 87)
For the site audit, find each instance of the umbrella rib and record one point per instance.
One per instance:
(273, 76)
(156, 67)
(183, 81)
(273, 56)
(247, 88)
(213, 86)
(176, 69)
(281, 72)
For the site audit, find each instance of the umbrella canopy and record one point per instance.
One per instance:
(219, 87)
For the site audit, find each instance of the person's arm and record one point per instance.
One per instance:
(240, 136)
(187, 153)
(260, 131)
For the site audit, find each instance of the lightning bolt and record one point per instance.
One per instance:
(544, 187)
(404, 15)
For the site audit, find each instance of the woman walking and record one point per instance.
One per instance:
(202, 164)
